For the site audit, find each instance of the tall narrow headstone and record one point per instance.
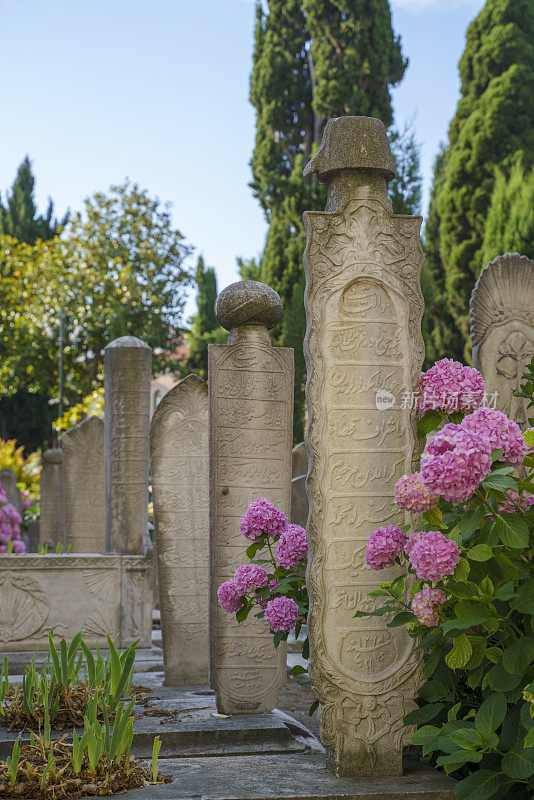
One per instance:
(127, 375)
(180, 492)
(8, 482)
(52, 515)
(299, 459)
(83, 460)
(502, 331)
(251, 410)
(364, 307)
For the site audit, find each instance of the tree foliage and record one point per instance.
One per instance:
(440, 332)
(312, 60)
(204, 328)
(117, 269)
(494, 124)
(18, 215)
(510, 221)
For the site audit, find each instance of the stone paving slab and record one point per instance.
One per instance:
(301, 776)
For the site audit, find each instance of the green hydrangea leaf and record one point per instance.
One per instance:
(460, 653)
(480, 552)
(491, 714)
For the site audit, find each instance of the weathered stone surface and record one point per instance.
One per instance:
(85, 516)
(127, 375)
(102, 594)
(299, 460)
(299, 501)
(251, 407)
(8, 482)
(364, 308)
(52, 504)
(180, 491)
(502, 330)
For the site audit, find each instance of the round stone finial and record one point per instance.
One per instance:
(53, 456)
(127, 341)
(248, 303)
(352, 143)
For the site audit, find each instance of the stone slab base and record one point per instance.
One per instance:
(99, 593)
(300, 776)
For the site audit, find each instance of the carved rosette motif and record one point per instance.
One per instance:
(251, 403)
(502, 330)
(180, 491)
(364, 309)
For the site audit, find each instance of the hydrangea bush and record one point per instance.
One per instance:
(10, 521)
(273, 584)
(467, 592)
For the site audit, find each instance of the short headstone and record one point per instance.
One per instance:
(127, 376)
(299, 460)
(180, 492)
(52, 504)
(251, 409)
(83, 461)
(502, 331)
(363, 307)
(8, 482)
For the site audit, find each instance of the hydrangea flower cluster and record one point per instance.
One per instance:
(10, 521)
(27, 500)
(455, 462)
(384, 545)
(292, 547)
(251, 585)
(281, 613)
(412, 494)
(510, 506)
(501, 433)
(433, 556)
(450, 386)
(262, 518)
(229, 596)
(249, 577)
(412, 539)
(426, 605)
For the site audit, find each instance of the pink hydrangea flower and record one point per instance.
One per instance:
(281, 613)
(27, 501)
(412, 539)
(383, 546)
(450, 386)
(262, 517)
(19, 546)
(249, 577)
(427, 604)
(525, 501)
(434, 556)
(412, 494)
(455, 462)
(502, 433)
(229, 596)
(3, 496)
(292, 547)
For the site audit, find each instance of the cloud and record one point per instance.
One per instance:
(421, 5)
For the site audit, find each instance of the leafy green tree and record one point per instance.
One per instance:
(204, 328)
(18, 217)
(312, 60)
(118, 269)
(440, 332)
(510, 221)
(494, 123)
(405, 191)
(249, 269)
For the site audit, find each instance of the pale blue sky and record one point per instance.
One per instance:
(157, 90)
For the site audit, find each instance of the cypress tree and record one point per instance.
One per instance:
(18, 217)
(440, 332)
(313, 59)
(510, 221)
(204, 326)
(494, 124)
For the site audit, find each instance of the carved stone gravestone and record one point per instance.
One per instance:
(251, 408)
(127, 375)
(299, 459)
(180, 491)
(502, 330)
(364, 307)
(83, 457)
(8, 482)
(52, 516)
